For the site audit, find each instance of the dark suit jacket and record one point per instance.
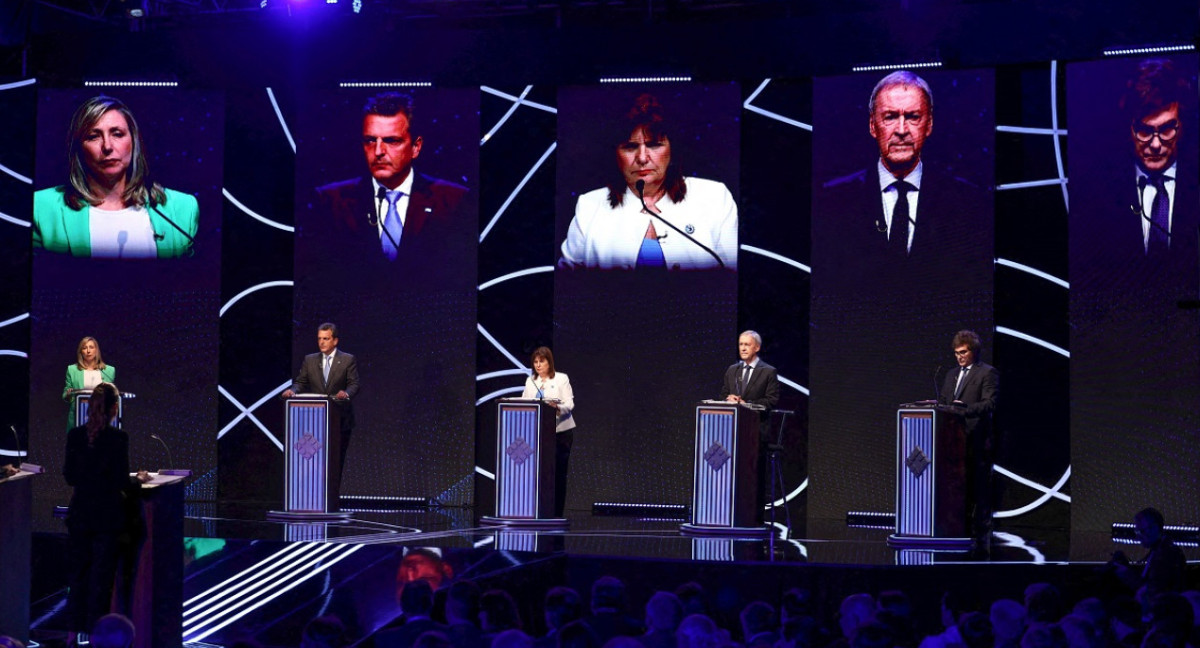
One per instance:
(406, 635)
(980, 391)
(763, 388)
(100, 476)
(343, 376)
(439, 228)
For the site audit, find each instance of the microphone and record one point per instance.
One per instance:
(122, 239)
(17, 440)
(159, 237)
(170, 461)
(641, 187)
(381, 195)
(937, 390)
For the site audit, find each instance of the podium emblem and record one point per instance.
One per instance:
(917, 462)
(307, 446)
(519, 451)
(716, 456)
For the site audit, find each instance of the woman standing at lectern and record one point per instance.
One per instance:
(96, 466)
(88, 371)
(554, 386)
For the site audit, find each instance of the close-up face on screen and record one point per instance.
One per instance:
(126, 267)
(386, 242)
(902, 250)
(645, 291)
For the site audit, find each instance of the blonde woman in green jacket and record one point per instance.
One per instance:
(88, 371)
(110, 208)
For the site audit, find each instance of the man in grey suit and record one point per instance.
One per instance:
(335, 374)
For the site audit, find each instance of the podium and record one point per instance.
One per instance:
(931, 502)
(525, 447)
(157, 601)
(725, 471)
(80, 401)
(312, 459)
(16, 546)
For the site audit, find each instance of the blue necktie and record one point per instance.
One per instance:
(325, 371)
(1160, 214)
(393, 229)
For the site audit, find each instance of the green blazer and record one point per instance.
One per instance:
(75, 381)
(58, 228)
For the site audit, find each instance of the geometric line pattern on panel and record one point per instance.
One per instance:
(247, 412)
(1054, 491)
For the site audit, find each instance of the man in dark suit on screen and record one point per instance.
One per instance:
(394, 217)
(335, 374)
(975, 387)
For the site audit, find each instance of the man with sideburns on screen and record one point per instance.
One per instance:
(393, 215)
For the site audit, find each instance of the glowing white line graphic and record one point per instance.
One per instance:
(247, 412)
(258, 571)
(514, 98)
(503, 372)
(777, 257)
(17, 84)
(787, 498)
(14, 320)
(1030, 183)
(261, 602)
(1030, 130)
(1033, 271)
(499, 392)
(521, 185)
(798, 387)
(278, 113)
(16, 175)
(251, 214)
(511, 109)
(513, 275)
(485, 473)
(10, 352)
(486, 541)
(1047, 493)
(748, 105)
(1016, 541)
(252, 289)
(13, 453)
(1057, 140)
(1029, 338)
(489, 338)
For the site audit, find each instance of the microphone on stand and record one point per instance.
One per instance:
(641, 187)
(170, 460)
(21, 465)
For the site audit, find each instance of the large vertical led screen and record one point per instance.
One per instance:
(126, 269)
(386, 239)
(1135, 375)
(902, 259)
(645, 304)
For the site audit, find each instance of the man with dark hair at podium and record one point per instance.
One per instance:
(750, 380)
(333, 373)
(975, 387)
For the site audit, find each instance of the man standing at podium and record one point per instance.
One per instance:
(333, 373)
(751, 380)
(975, 387)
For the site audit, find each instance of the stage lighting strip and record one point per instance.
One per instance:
(1047, 493)
(896, 66)
(748, 104)
(385, 84)
(18, 176)
(11, 352)
(13, 219)
(131, 84)
(1033, 271)
(657, 79)
(1153, 49)
(787, 498)
(258, 585)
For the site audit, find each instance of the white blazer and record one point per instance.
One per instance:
(601, 236)
(558, 387)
